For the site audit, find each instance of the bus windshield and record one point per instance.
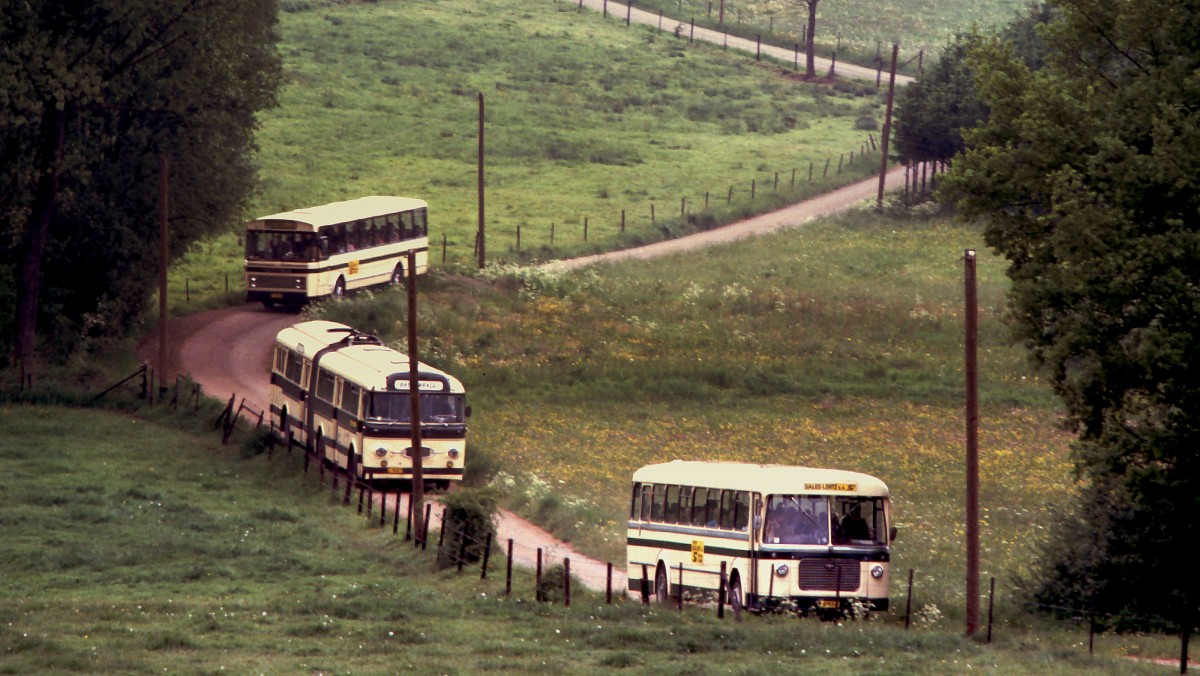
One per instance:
(797, 520)
(808, 520)
(435, 408)
(300, 247)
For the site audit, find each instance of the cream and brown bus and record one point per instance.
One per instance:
(322, 252)
(345, 395)
(789, 537)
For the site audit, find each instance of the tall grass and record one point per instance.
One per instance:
(138, 544)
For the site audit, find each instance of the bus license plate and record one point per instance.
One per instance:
(395, 470)
(277, 295)
(828, 603)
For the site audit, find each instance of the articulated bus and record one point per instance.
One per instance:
(346, 396)
(322, 252)
(790, 537)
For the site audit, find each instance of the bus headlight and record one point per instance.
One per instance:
(877, 571)
(781, 570)
(381, 452)
(453, 453)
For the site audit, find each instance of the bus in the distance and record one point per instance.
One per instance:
(345, 395)
(323, 252)
(790, 537)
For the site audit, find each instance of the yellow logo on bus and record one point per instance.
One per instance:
(698, 551)
(843, 488)
(354, 267)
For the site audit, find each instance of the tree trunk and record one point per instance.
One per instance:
(37, 233)
(810, 66)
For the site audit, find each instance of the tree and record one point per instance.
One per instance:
(932, 112)
(810, 69)
(1086, 175)
(93, 94)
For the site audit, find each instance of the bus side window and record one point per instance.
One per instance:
(419, 224)
(672, 513)
(685, 505)
(727, 509)
(713, 510)
(350, 395)
(406, 229)
(634, 503)
(295, 368)
(660, 499)
(699, 502)
(325, 383)
(741, 517)
(647, 500)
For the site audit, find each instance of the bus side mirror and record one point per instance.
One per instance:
(892, 534)
(468, 412)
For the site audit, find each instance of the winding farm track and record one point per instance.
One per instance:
(228, 351)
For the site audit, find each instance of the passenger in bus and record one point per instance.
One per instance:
(812, 529)
(853, 527)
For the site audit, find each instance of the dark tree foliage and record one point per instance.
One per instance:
(1086, 176)
(932, 112)
(93, 93)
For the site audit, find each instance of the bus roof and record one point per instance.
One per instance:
(367, 363)
(344, 212)
(765, 479)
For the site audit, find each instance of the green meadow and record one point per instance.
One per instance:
(859, 31)
(135, 542)
(584, 120)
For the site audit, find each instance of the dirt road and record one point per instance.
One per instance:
(619, 11)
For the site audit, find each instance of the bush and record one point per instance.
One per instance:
(470, 517)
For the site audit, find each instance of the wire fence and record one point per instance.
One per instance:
(551, 573)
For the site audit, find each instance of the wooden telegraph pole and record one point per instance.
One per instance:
(480, 231)
(887, 128)
(972, 525)
(163, 255)
(414, 398)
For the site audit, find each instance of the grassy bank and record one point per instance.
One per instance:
(140, 544)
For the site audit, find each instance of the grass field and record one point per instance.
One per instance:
(139, 544)
(584, 120)
(839, 344)
(859, 30)
(134, 542)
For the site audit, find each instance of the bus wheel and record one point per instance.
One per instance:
(735, 593)
(358, 468)
(662, 592)
(398, 275)
(339, 289)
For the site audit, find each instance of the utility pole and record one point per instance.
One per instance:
(887, 128)
(163, 255)
(972, 525)
(480, 232)
(414, 398)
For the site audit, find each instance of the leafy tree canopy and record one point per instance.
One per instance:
(932, 112)
(92, 94)
(1085, 174)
